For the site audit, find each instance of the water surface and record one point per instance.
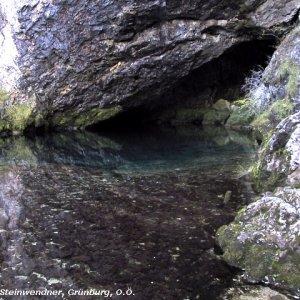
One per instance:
(85, 211)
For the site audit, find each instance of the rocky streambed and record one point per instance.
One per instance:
(83, 211)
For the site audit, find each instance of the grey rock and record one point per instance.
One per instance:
(264, 240)
(253, 293)
(222, 104)
(280, 158)
(281, 77)
(73, 56)
(284, 131)
(293, 146)
(279, 155)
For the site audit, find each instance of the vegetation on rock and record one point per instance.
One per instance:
(16, 118)
(84, 119)
(262, 240)
(4, 96)
(264, 237)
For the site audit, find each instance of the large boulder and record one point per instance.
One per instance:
(79, 62)
(264, 240)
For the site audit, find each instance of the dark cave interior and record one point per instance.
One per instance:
(221, 78)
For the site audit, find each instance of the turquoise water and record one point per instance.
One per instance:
(82, 211)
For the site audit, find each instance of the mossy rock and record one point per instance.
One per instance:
(241, 116)
(20, 116)
(261, 242)
(84, 119)
(242, 102)
(4, 96)
(291, 70)
(269, 119)
(267, 177)
(221, 104)
(216, 117)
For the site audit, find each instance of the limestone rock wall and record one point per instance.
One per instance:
(9, 71)
(76, 55)
(264, 237)
(279, 157)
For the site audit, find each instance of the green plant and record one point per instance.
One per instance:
(18, 116)
(288, 68)
(4, 96)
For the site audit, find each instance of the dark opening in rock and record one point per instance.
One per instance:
(221, 78)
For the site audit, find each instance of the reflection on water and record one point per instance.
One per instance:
(83, 211)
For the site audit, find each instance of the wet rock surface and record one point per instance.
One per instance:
(88, 226)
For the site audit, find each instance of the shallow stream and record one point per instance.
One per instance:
(82, 211)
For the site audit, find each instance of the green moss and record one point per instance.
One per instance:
(85, 118)
(4, 96)
(261, 121)
(260, 260)
(4, 125)
(18, 116)
(264, 125)
(282, 108)
(240, 214)
(4, 169)
(242, 116)
(216, 117)
(262, 253)
(267, 180)
(293, 280)
(233, 250)
(269, 119)
(286, 154)
(242, 102)
(290, 69)
(257, 174)
(288, 269)
(222, 105)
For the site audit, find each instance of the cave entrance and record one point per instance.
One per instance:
(221, 78)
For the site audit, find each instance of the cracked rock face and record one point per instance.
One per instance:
(74, 56)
